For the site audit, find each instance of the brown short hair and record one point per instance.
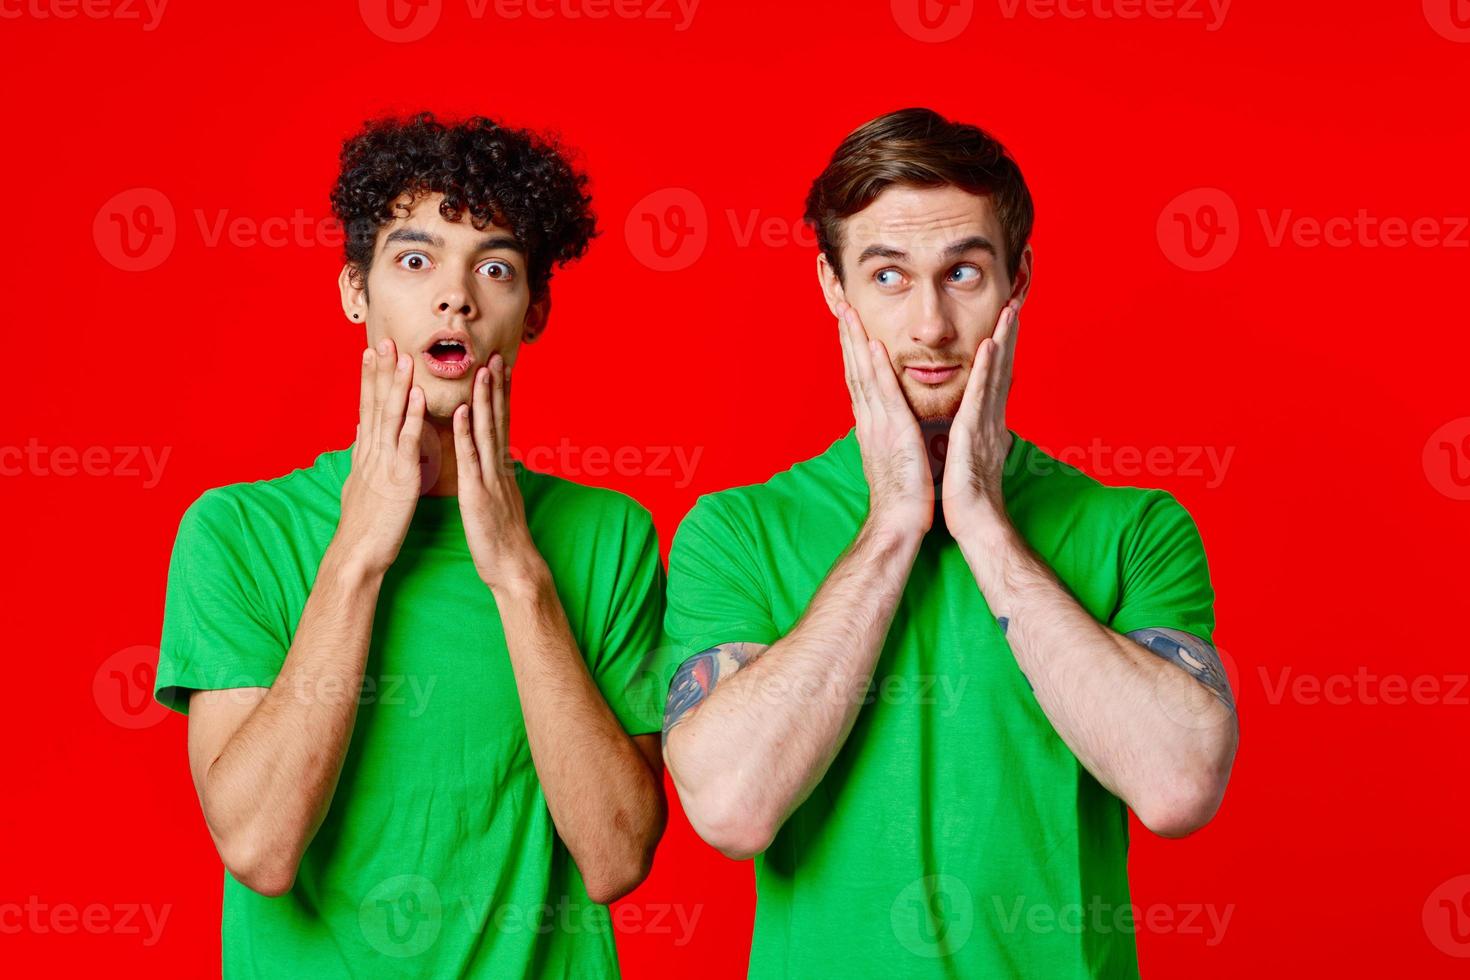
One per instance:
(918, 148)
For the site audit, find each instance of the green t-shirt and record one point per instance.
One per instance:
(437, 856)
(955, 834)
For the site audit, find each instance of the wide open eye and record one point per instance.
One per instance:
(497, 269)
(965, 274)
(888, 277)
(413, 261)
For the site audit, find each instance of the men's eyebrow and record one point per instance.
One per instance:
(950, 251)
(967, 244)
(422, 237)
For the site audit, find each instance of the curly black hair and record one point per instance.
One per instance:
(511, 177)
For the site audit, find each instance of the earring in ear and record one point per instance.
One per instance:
(354, 316)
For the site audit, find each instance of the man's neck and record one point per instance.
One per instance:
(935, 433)
(437, 459)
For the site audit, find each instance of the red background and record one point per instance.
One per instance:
(1336, 534)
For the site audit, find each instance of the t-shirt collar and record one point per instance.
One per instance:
(849, 453)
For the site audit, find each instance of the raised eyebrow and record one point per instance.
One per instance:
(972, 243)
(500, 241)
(421, 237)
(413, 235)
(952, 250)
(882, 252)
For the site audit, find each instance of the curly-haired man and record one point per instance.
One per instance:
(412, 669)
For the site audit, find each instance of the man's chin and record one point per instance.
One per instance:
(931, 406)
(442, 397)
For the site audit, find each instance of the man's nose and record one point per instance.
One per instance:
(931, 325)
(455, 298)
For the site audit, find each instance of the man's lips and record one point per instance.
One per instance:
(449, 355)
(932, 374)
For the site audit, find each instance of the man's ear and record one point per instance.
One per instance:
(832, 290)
(536, 316)
(1022, 285)
(353, 288)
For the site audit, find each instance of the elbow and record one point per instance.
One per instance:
(737, 831)
(611, 880)
(613, 877)
(738, 840)
(726, 812)
(1180, 808)
(607, 885)
(257, 868)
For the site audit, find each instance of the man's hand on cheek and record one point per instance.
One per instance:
(900, 482)
(978, 439)
(489, 500)
(382, 488)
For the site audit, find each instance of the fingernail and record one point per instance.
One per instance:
(367, 355)
(383, 346)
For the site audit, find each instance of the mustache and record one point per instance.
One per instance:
(929, 359)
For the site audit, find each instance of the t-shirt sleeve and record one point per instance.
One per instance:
(715, 590)
(1166, 580)
(625, 666)
(215, 633)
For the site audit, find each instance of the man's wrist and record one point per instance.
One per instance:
(342, 566)
(885, 532)
(989, 543)
(526, 579)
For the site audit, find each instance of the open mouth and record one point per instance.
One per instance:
(449, 351)
(448, 358)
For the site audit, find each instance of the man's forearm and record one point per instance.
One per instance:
(755, 748)
(265, 795)
(1147, 730)
(605, 800)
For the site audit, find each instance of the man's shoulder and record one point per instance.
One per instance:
(1044, 485)
(233, 504)
(584, 506)
(812, 499)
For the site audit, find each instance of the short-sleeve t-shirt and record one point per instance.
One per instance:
(955, 834)
(437, 856)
